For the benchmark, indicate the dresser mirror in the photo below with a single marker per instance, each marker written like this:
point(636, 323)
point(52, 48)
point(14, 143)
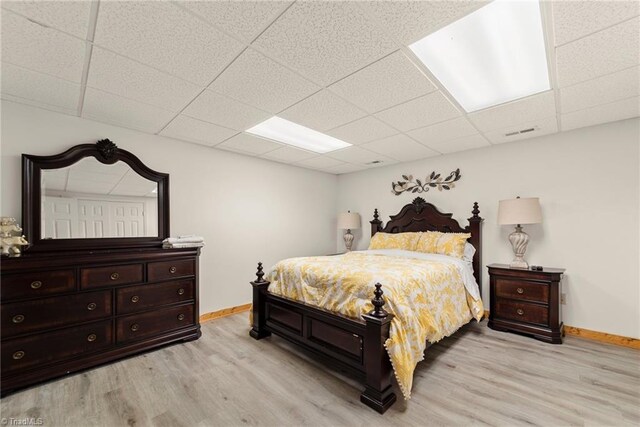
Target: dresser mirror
point(93, 196)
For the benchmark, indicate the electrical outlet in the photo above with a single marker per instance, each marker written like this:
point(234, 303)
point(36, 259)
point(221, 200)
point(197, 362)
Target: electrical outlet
point(563, 298)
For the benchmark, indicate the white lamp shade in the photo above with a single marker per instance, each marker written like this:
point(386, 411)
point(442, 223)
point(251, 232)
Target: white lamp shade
point(348, 221)
point(519, 211)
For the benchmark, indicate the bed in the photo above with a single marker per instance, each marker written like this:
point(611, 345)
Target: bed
point(333, 331)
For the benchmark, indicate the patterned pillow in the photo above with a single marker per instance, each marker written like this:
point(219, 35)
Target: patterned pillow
point(405, 241)
point(435, 242)
point(428, 242)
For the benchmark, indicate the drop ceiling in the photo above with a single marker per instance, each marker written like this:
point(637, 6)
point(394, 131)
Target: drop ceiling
point(205, 72)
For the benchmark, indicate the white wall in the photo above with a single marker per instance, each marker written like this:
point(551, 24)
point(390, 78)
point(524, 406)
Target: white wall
point(247, 209)
point(588, 185)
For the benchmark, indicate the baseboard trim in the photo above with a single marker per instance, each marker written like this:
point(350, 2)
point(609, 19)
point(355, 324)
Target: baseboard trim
point(224, 312)
point(597, 336)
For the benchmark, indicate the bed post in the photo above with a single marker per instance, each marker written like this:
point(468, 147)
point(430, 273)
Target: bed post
point(476, 240)
point(378, 393)
point(258, 327)
point(376, 224)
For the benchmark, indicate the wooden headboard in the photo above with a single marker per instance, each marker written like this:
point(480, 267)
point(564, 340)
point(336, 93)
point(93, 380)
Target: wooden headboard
point(422, 216)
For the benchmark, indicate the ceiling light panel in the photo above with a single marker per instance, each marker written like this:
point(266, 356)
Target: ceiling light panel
point(281, 130)
point(491, 56)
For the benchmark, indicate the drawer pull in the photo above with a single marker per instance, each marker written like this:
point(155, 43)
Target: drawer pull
point(114, 276)
point(36, 284)
point(172, 269)
point(180, 316)
point(520, 291)
point(135, 327)
point(91, 306)
point(520, 311)
point(181, 291)
point(92, 337)
point(18, 318)
point(18, 355)
point(135, 298)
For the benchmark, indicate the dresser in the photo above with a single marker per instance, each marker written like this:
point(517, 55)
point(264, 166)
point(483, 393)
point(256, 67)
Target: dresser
point(65, 312)
point(526, 301)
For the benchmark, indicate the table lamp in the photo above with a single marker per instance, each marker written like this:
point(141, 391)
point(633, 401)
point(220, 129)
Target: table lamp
point(517, 212)
point(348, 221)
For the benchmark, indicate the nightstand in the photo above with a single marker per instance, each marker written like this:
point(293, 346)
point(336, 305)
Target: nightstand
point(526, 301)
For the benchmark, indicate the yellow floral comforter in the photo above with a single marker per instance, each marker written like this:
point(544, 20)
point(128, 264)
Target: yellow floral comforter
point(427, 297)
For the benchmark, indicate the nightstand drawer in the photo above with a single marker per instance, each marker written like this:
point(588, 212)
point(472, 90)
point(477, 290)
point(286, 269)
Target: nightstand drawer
point(521, 311)
point(522, 290)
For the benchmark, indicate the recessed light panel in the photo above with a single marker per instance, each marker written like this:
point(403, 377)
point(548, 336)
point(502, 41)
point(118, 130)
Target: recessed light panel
point(491, 56)
point(290, 133)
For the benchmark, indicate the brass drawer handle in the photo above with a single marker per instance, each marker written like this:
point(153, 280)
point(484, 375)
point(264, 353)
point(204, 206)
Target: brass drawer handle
point(520, 291)
point(520, 311)
point(135, 298)
point(180, 316)
point(114, 276)
point(18, 318)
point(172, 270)
point(135, 327)
point(181, 291)
point(92, 337)
point(18, 355)
point(36, 284)
point(91, 306)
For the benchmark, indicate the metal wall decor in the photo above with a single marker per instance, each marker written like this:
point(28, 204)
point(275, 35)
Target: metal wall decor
point(435, 180)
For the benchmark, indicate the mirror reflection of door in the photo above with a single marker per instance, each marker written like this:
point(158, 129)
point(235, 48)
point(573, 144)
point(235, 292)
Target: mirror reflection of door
point(92, 200)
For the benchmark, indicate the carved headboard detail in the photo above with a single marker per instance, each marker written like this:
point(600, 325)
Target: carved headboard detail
point(420, 215)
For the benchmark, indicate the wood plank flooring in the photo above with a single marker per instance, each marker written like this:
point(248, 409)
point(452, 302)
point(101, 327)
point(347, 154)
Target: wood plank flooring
point(476, 377)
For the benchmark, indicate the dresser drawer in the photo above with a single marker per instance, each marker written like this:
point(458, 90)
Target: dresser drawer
point(169, 269)
point(522, 290)
point(136, 298)
point(35, 284)
point(31, 316)
point(521, 311)
point(96, 277)
point(41, 349)
point(145, 325)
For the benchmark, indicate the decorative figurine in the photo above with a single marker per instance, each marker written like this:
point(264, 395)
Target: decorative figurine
point(11, 237)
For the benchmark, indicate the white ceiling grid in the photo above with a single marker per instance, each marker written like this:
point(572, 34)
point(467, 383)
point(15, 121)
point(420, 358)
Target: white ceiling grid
point(205, 72)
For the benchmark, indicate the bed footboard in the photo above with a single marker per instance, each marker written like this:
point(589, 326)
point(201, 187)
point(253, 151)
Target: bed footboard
point(355, 346)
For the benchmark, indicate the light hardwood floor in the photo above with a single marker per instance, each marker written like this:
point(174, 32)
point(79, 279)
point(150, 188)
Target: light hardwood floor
point(478, 376)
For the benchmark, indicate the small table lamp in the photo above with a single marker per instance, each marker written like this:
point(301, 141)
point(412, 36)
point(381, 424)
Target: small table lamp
point(516, 212)
point(348, 221)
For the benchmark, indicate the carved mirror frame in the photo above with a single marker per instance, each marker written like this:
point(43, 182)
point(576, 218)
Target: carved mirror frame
point(106, 152)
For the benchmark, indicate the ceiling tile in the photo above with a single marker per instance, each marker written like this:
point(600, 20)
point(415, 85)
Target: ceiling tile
point(324, 40)
point(322, 111)
point(219, 109)
point(107, 108)
point(385, 83)
point(345, 168)
point(41, 49)
point(602, 90)
point(575, 19)
point(164, 36)
point(42, 88)
point(69, 16)
point(420, 112)
point(243, 19)
point(122, 76)
point(400, 147)
point(516, 112)
point(188, 129)
point(257, 80)
point(288, 155)
point(38, 104)
point(363, 130)
point(249, 144)
point(544, 126)
point(619, 110)
point(444, 131)
point(410, 20)
point(360, 156)
point(320, 162)
point(607, 51)
point(460, 144)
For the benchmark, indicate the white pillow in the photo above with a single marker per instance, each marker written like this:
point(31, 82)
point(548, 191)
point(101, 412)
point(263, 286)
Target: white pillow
point(469, 252)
